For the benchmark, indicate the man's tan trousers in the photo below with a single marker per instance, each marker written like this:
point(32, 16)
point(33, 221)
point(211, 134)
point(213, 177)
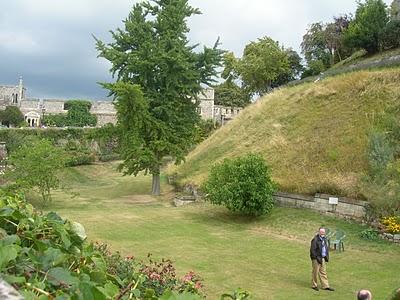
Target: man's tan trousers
point(319, 271)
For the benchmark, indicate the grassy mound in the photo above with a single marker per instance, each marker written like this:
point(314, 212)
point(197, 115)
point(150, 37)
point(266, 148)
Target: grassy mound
point(314, 136)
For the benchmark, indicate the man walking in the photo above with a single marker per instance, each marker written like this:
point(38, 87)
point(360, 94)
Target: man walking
point(319, 254)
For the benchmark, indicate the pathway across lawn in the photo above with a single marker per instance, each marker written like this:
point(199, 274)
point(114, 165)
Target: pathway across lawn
point(268, 256)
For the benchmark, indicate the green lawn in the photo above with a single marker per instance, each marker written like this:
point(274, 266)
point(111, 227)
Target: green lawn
point(268, 256)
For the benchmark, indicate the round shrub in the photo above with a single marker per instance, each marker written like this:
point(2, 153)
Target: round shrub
point(242, 185)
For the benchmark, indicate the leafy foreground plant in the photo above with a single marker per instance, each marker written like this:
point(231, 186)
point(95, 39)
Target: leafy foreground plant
point(46, 257)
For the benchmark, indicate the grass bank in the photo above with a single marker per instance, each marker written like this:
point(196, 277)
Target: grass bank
point(314, 136)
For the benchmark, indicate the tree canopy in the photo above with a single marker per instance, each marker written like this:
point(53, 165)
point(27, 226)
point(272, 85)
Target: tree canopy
point(229, 93)
point(366, 30)
point(78, 115)
point(263, 63)
point(159, 75)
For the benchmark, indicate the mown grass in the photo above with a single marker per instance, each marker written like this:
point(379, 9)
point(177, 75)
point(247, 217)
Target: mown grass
point(314, 136)
point(268, 256)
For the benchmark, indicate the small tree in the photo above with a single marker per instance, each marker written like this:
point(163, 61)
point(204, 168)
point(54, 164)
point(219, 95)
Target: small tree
point(35, 166)
point(230, 94)
point(159, 73)
point(242, 184)
point(11, 116)
point(262, 63)
point(79, 113)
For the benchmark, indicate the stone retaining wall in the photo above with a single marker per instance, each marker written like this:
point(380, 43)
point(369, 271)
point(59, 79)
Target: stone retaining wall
point(7, 292)
point(394, 238)
point(320, 202)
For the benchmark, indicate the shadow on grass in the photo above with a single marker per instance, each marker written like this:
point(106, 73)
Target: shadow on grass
point(219, 216)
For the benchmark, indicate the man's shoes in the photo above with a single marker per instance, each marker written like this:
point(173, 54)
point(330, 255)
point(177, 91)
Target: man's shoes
point(315, 288)
point(329, 289)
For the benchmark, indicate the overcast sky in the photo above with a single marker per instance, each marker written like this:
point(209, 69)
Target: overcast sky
point(49, 42)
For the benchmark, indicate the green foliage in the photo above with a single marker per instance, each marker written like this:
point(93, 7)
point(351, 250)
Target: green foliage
point(369, 234)
point(238, 294)
point(323, 45)
point(230, 94)
point(57, 120)
point(78, 115)
point(315, 67)
point(46, 257)
point(242, 185)
point(296, 69)
point(158, 73)
point(367, 29)
point(11, 116)
point(262, 63)
point(314, 46)
point(380, 153)
point(77, 154)
point(382, 183)
point(82, 146)
point(391, 35)
point(35, 166)
point(204, 129)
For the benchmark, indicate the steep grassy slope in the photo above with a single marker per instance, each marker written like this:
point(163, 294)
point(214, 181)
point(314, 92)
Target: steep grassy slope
point(314, 136)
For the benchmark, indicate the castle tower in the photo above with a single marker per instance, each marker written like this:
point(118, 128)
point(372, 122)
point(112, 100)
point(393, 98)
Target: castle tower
point(395, 10)
point(21, 95)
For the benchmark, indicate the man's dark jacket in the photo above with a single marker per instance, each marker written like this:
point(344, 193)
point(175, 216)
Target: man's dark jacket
point(316, 249)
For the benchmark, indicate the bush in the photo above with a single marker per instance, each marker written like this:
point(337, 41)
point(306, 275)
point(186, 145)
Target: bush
point(369, 234)
point(315, 67)
point(11, 116)
point(75, 158)
point(35, 165)
point(242, 185)
point(82, 145)
point(391, 36)
point(367, 29)
point(78, 115)
point(109, 157)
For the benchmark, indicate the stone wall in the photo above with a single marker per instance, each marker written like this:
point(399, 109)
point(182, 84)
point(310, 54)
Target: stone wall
point(7, 292)
point(205, 109)
point(104, 118)
point(30, 105)
point(320, 202)
point(7, 95)
point(54, 106)
point(223, 114)
point(102, 107)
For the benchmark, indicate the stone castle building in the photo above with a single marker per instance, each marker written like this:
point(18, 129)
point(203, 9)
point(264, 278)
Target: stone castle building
point(35, 109)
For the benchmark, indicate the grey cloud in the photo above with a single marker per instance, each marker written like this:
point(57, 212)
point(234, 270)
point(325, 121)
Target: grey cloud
point(50, 42)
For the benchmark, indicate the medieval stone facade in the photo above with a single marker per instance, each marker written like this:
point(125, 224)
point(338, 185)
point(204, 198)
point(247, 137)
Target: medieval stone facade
point(35, 109)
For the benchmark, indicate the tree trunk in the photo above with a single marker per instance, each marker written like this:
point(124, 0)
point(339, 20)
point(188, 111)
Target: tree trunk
point(155, 187)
